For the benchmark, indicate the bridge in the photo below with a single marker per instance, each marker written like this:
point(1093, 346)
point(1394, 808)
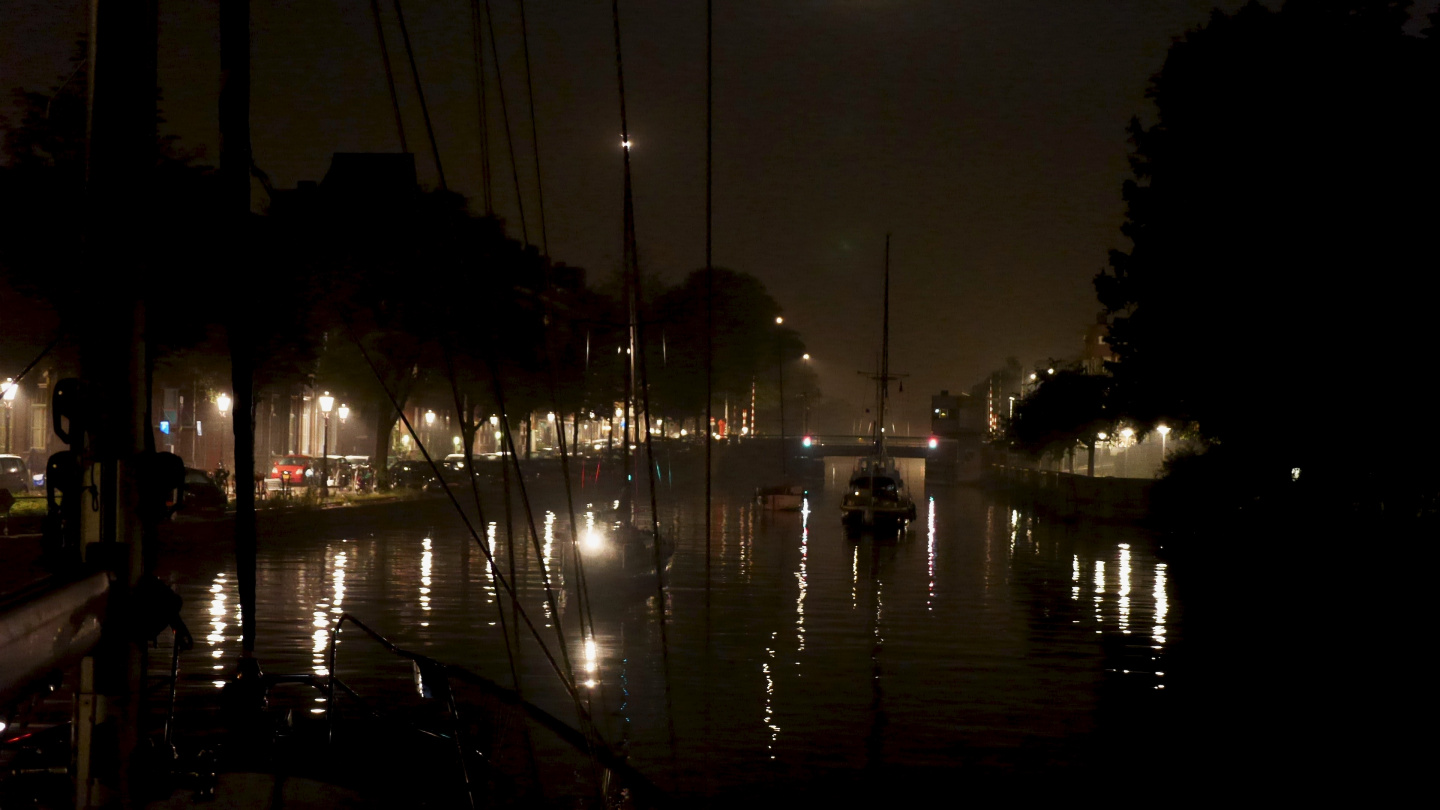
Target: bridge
point(814, 445)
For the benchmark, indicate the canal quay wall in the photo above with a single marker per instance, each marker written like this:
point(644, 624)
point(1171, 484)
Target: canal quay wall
point(1070, 496)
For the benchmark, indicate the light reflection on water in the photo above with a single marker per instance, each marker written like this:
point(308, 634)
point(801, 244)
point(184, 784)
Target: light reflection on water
point(971, 633)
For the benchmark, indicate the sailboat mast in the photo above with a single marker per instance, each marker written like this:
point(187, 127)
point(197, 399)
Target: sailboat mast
point(884, 356)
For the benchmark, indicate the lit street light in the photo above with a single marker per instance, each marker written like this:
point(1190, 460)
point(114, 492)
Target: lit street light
point(222, 404)
point(1164, 431)
point(344, 412)
point(11, 389)
point(327, 402)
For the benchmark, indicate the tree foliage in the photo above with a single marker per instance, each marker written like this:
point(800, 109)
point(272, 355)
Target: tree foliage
point(1068, 408)
point(748, 344)
point(1281, 216)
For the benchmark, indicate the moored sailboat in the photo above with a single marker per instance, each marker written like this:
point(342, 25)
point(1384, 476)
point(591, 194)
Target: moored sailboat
point(876, 496)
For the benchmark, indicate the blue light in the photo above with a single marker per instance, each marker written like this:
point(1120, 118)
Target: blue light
point(165, 426)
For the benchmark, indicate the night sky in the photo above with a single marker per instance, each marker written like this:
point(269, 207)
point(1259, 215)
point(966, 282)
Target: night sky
point(988, 137)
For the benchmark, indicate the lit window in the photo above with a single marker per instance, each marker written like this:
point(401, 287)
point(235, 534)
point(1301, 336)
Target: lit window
point(39, 426)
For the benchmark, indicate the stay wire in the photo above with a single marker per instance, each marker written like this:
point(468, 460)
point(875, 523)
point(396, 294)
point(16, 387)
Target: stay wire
point(587, 724)
point(709, 329)
point(495, 569)
point(582, 590)
point(632, 256)
point(477, 41)
point(33, 363)
point(530, 519)
point(467, 426)
point(420, 92)
point(654, 517)
point(709, 286)
point(499, 391)
point(534, 130)
point(389, 74)
point(505, 121)
point(465, 423)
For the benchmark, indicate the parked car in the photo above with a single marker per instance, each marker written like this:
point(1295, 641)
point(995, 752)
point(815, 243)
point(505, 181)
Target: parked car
point(412, 475)
point(13, 475)
point(203, 499)
point(339, 471)
point(301, 469)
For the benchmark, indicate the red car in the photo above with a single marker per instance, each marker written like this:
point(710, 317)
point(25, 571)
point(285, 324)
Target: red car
point(301, 468)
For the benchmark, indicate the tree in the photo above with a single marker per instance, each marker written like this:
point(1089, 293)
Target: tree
point(748, 343)
point(1281, 221)
point(1068, 408)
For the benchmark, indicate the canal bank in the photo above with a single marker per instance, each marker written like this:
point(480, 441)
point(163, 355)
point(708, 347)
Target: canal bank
point(1070, 496)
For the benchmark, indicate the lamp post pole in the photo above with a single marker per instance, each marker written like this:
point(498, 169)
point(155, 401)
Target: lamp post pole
point(327, 402)
point(780, 366)
point(344, 412)
point(222, 404)
point(10, 388)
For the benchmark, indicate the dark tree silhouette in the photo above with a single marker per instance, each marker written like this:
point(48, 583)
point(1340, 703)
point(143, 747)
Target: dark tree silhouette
point(748, 344)
point(1067, 409)
point(1282, 226)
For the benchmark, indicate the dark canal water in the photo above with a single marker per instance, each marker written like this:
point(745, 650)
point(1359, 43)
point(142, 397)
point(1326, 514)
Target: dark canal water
point(988, 644)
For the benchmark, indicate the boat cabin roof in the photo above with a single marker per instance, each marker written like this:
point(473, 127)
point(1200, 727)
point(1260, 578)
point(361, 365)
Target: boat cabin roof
point(882, 483)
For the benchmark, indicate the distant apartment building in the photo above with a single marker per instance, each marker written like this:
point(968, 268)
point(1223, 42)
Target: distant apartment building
point(1096, 352)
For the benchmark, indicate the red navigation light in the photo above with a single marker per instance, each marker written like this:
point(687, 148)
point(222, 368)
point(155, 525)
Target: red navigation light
point(934, 442)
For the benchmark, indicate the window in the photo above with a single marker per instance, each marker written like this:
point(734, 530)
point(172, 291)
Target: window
point(39, 426)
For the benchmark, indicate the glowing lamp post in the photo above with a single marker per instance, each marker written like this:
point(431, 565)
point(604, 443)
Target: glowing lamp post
point(327, 403)
point(1163, 430)
point(780, 374)
point(344, 413)
point(11, 389)
point(222, 404)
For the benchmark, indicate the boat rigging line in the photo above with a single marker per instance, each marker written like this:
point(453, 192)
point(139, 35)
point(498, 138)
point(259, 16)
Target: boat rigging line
point(530, 520)
point(632, 269)
point(505, 121)
point(499, 393)
point(420, 92)
point(467, 428)
point(489, 557)
point(31, 365)
point(389, 74)
point(534, 130)
point(477, 44)
point(709, 339)
point(709, 281)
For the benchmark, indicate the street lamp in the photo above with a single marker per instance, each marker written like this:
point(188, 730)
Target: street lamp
point(344, 412)
point(222, 404)
point(10, 389)
point(1163, 430)
point(327, 402)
